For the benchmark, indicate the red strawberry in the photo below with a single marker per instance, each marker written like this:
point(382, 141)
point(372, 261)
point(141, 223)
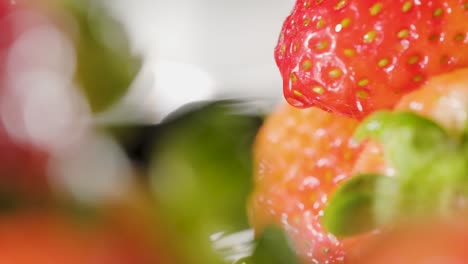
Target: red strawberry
point(418, 243)
point(301, 156)
point(443, 98)
point(354, 57)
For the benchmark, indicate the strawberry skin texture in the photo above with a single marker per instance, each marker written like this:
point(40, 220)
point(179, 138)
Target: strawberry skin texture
point(355, 57)
point(443, 99)
point(300, 157)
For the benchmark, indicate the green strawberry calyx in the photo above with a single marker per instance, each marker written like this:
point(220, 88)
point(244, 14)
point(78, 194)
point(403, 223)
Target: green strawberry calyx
point(431, 176)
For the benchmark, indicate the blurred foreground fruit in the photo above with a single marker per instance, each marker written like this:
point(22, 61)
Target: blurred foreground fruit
point(201, 177)
point(418, 243)
point(43, 237)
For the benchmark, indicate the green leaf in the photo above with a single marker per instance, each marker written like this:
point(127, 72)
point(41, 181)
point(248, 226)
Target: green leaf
point(201, 176)
point(373, 126)
point(273, 247)
point(380, 124)
point(431, 178)
point(366, 202)
point(355, 207)
point(105, 64)
point(411, 142)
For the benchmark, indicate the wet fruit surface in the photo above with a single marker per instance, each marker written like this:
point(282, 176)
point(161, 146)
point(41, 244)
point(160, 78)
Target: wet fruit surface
point(355, 57)
point(300, 158)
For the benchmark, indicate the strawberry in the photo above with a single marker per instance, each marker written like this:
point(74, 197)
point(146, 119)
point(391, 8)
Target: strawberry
point(300, 157)
point(444, 99)
point(418, 243)
point(355, 57)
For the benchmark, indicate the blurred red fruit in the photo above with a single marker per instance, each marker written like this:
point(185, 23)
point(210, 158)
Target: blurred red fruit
point(418, 243)
point(49, 238)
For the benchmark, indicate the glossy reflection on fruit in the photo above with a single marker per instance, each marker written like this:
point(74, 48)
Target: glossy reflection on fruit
point(355, 57)
point(300, 157)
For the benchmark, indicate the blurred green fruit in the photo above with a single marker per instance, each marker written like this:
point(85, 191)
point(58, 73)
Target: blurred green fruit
point(201, 176)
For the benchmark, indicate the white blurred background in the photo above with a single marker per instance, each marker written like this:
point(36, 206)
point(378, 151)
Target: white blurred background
point(192, 50)
point(200, 50)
